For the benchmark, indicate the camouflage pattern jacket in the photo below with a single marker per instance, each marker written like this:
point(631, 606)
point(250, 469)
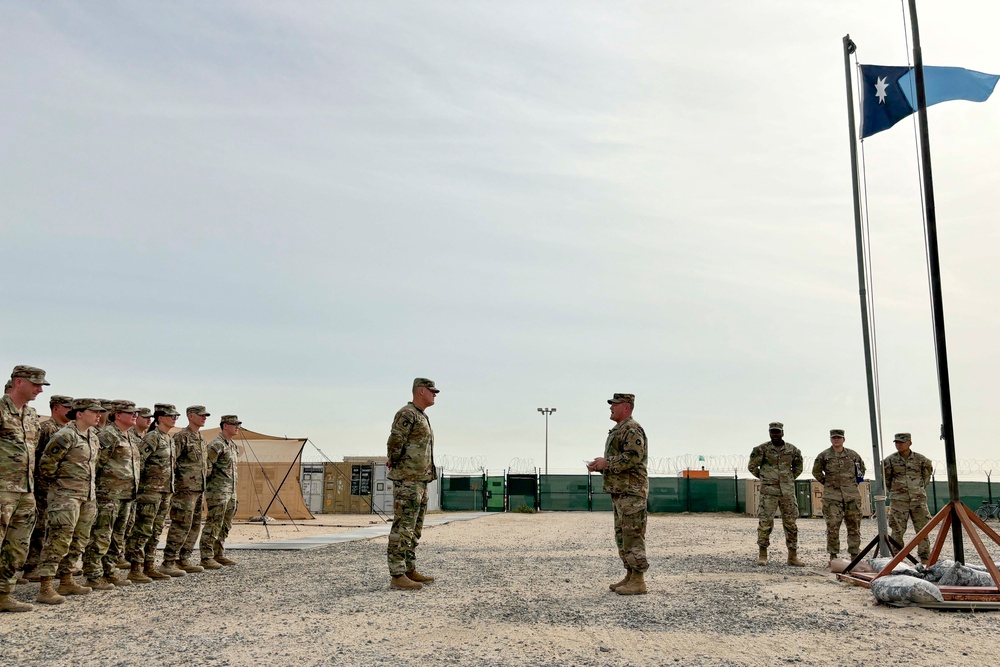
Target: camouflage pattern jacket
point(119, 464)
point(157, 453)
point(45, 432)
point(18, 435)
point(906, 479)
point(776, 467)
point(627, 453)
point(411, 446)
point(838, 473)
point(222, 459)
point(191, 463)
point(68, 463)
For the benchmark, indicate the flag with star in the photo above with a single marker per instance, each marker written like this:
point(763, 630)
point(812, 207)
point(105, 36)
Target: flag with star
point(888, 93)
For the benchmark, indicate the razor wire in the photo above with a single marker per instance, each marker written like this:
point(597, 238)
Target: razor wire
point(463, 464)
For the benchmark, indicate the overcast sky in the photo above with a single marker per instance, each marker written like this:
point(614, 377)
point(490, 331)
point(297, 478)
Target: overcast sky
point(288, 210)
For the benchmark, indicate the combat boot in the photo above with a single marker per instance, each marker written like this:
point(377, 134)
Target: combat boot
point(32, 575)
point(7, 603)
point(153, 573)
point(617, 585)
point(635, 586)
point(47, 593)
point(115, 580)
point(170, 568)
point(135, 574)
point(100, 584)
point(222, 560)
point(67, 586)
point(210, 564)
point(403, 582)
point(189, 567)
point(413, 575)
point(123, 564)
point(762, 556)
point(21, 581)
point(793, 558)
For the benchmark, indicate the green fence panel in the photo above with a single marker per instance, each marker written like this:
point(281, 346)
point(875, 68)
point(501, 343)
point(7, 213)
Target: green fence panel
point(462, 494)
point(803, 496)
point(667, 494)
point(563, 493)
point(973, 494)
point(495, 492)
point(714, 494)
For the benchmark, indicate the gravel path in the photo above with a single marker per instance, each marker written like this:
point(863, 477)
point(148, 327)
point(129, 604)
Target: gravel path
point(512, 589)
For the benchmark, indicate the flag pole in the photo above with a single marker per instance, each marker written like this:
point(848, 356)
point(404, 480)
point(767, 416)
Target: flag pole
point(883, 530)
point(944, 384)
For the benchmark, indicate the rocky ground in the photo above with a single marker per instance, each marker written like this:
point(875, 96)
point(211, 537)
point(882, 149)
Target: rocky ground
point(512, 589)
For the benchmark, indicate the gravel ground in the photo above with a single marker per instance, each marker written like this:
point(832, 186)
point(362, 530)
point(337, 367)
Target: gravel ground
point(512, 589)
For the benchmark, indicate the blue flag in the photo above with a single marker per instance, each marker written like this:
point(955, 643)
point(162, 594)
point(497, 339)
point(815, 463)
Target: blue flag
point(888, 93)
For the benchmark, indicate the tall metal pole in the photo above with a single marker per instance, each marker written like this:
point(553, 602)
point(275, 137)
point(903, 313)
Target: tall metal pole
point(883, 528)
point(546, 412)
point(944, 384)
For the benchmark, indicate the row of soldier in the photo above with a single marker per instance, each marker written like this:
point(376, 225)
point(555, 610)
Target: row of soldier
point(98, 480)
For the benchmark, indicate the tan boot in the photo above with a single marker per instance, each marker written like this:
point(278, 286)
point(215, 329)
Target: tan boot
point(222, 560)
point(100, 584)
point(7, 603)
point(793, 558)
point(210, 564)
point(762, 556)
point(135, 574)
point(635, 586)
point(115, 580)
point(123, 564)
point(413, 575)
point(169, 568)
point(47, 593)
point(403, 582)
point(153, 573)
point(189, 567)
point(616, 586)
point(68, 586)
point(32, 575)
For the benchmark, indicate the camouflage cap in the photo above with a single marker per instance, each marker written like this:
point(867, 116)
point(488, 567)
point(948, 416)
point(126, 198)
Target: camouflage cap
point(167, 409)
point(29, 373)
point(836, 433)
point(902, 437)
point(232, 420)
point(89, 404)
point(59, 399)
point(127, 407)
point(198, 410)
point(109, 405)
point(776, 426)
point(6, 387)
point(424, 382)
point(145, 413)
point(622, 398)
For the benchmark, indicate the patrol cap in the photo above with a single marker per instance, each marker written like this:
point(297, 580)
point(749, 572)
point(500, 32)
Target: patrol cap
point(424, 382)
point(776, 426)
point(108, 404)
point(145, 413)
point(59, 399)
point(29, 373)
point(198, 410)
point(836, 433)
point(167, 409)
point(622, 398)
point(89, 404)
point(902, 437)
point(232, 420)
point(127, 407)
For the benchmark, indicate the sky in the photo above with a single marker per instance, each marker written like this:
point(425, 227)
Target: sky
point(287, 211)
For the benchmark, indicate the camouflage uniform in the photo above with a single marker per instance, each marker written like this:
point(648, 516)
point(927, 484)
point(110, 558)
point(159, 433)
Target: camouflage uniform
point(777, 467)
point(906, 479)
point(67, 467)
point(411, 460)
point(220, 493)
point(839, 473)
point(116, 550)
point(186, 507)
point(18, 434)
point(156, 485)
point(45, 433)
point(118, 469)
point(625, 478)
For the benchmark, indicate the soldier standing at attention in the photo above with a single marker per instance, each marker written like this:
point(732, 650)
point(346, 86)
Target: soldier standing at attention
point(67, 467)
point(117, 549)
point(59, 407)
point(156, 486)
point(411, 466)
point(116, 483)
point(623, 465)
point(220, 493)
point(189, 491)
point(776, 464)
point(109, 407)
point(18, 435)
point(907, 475)
point(838, 469)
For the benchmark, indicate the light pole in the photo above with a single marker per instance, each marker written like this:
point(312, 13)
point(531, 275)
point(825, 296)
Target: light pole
point(546, 412)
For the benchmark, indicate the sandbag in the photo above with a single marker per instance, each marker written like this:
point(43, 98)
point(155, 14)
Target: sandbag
point(902, 590)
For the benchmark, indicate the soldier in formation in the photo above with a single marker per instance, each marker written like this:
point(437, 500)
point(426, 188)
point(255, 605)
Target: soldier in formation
point(777, 464)
point(59, 408)
point(220, 492)
point(189, 490)
point(626, 453)
point(840, 470)
point(411, 466)
point(907, 475)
